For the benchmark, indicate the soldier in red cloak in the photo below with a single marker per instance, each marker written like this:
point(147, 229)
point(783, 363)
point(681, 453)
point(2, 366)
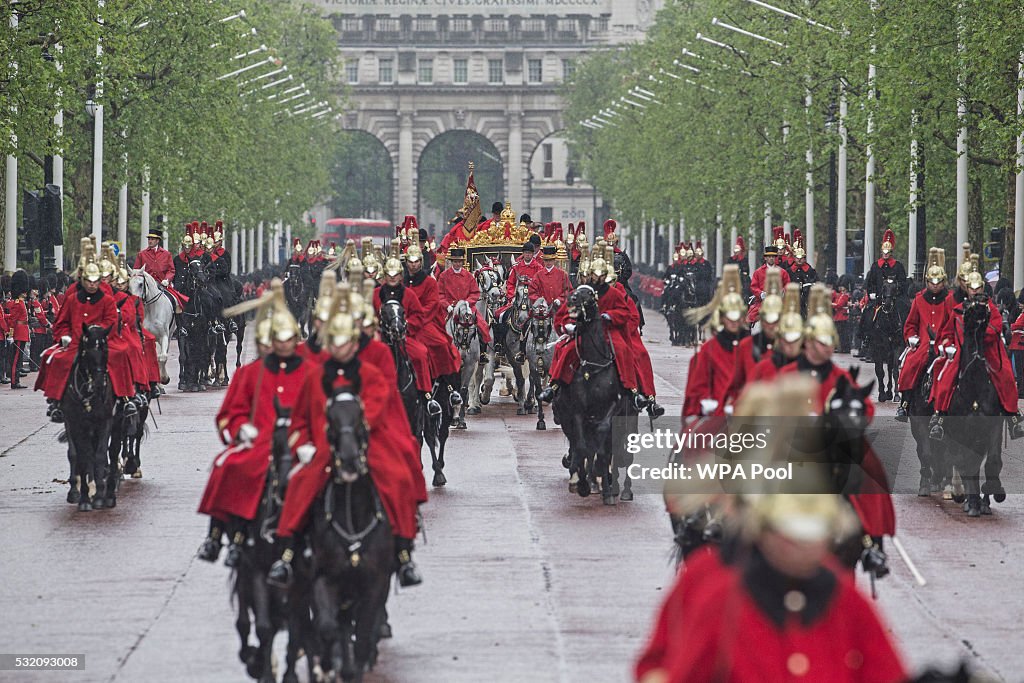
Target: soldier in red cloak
point(388, 449)
point(455, 284)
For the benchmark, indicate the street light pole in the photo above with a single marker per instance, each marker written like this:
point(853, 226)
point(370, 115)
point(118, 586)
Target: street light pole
point(11, 196)
point(97, 140)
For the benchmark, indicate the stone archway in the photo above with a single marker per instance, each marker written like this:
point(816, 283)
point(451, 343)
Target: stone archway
point(441, 176)
point(362, 178)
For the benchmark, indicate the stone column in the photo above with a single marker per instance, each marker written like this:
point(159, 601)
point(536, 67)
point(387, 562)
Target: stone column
point(406, 203)
point(251, 239)
point(514, 193)
point(234, 252)
point(260, 246)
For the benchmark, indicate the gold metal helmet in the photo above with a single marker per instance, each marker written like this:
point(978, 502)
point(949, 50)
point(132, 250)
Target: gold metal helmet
point(975, 282)
point(282, 323)
point(342, 327)
point(122, 276)
point(599, 267)
point(186, 241)
point(392, 267)
point(263, 332)
point(583, 268)
point(413, 254)
point(966, 265)
point(91, 272)
point(88, 253)
point(369, 314)
point(771, 305)
point(804, 517)
point(107, 259)
point(699, 251)
point(731, 304)
point(208, 242)
point(791, 323)
point(820, 325)
point(936, 272)
point(688, 254)
point(609, 259)
point(354, 269)
point(325, 298)
point(371, 266)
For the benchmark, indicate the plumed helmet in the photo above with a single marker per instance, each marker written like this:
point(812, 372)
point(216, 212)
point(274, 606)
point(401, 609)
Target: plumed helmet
point(698, 251)
point(392, 267)
point(888, 241)
point(791, 322)
point(804, 518)
point(413, 254)
point(186, 241)
point(371, 266)
point(731, 305)
point(283, 325)
point(975, 282)
point(740, 245)
point(820, 325)
point(609, 231)
point(771, 305)
point(936, 272)
point(325, 297)
point(355, 269)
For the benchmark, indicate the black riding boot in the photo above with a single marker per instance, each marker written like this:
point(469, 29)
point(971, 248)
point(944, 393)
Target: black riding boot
point(234, 556)
point(935, 425)
point(407, 574)
point(280, 574)
point(454, 397)
point(433, 407)
point(53, 411)
point(654, 409)
point(901, 412)
point(548, 394)
point(1016, 425)
point(209, 551)
point(639, 400)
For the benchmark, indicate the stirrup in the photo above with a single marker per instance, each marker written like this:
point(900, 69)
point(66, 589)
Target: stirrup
point(1016, 426)
point(901, 412)
point(455, 399)
point(433, 408)
point(130, 409)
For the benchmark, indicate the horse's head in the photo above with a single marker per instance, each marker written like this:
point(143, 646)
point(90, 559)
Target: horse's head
point(889, 290)
point(583, 304)
point(463, 324)
point(849, 401)
point(197, 272)
point(392, 321)
point(141, 282)
point(540, 310)
point(976, 319)
point(495, 299)
point(540, 319)
point(347, 435)
point(92, 349)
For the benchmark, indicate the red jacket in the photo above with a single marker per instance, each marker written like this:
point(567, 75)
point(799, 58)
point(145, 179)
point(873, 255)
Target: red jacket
point(745, 362)
point(717, 611)
point(927, 313)
point(453, 287)
point(757, 284)
point(389, 450)
point(239, 472)
point(551, 284)
point(18, 320)
point(521, 269)
point(158, 262)
point(1017, 334)
point(711, 372)
point(840, 306)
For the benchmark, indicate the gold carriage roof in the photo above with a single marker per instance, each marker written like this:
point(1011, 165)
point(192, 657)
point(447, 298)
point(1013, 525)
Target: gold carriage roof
point(504, 237)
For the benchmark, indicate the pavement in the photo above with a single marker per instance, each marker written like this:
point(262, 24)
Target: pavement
point(523, 580)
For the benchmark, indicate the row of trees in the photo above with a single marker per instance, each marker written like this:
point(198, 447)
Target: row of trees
point(211, 146)
point(721, 129)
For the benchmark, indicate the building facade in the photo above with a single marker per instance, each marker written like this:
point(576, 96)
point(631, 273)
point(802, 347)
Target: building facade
point(418, 69)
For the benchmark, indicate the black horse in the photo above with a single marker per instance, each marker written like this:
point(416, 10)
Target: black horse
point(886, 339)
point(198, 329)
point(88, 405)
point(124, 451)
point(298, 293)
point(975, 439)
point(586, 407)
point(679, 296)
point(272, 608)
point(393, 330)
point(931, 453)
point(354, 552)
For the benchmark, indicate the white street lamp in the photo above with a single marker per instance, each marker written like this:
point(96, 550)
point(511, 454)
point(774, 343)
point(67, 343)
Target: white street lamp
point(715, 21)
point(256, 65)
point(785, 13)
point(239, 15)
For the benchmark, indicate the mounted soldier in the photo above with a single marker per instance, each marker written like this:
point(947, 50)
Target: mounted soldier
point(929, 312)
point(789, 338)
point(455, 284)
point(759, 344)
point(759, 279)
point(885, 268)
point(800, 271)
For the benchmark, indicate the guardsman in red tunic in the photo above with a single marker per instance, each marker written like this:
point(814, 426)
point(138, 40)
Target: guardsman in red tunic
point(18, 322)
point(157, 261)
point(297, 257)
point(873, 502)
point(927, 318)
point(611, 303)
point(245, 423)
point(712, 367)
point(445, 361)
point(389, 445)
point(951, 340)
point(752, 349)
point(455, 284)
point(776, 607)
point(789, 338)
point(87, 304)
point(757, 281)
point(550, 283)
point(129, 333)
point(392, 289)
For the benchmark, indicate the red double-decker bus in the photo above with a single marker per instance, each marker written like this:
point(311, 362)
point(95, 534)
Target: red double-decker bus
point(338, 230)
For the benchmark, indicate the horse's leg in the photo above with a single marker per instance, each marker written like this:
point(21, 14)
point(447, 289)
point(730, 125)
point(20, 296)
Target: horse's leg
point(972, 480)
point(239, 339)
point(243, 591)
point(537, 382)
point(266, 629)
point(577, 447)
point(325, 614)
point(880, 377)
point(368, 616)
point(74, 475)
point(487, 385)
point(994, 465)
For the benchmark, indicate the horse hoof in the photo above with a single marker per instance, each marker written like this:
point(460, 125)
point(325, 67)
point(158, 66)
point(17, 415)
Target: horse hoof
point(384, 631)
point(439, 479)
point(473, 411)
point(999, 497)
point(583, 488)
point(520, 411)
point(73, 496)
point(541, 426)
point(958, 498)
point(626, 495)
point(137, 474)
point(97, 503)
point(986, 509)
point(84, 506)
point(566, 462)
point(608, 500)
point(973, 512)
point(110, 502)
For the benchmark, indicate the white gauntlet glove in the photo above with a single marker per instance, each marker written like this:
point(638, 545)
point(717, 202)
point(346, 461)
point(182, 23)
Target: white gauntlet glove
point(247, 433)
point(914, 341)
point(708, 406)
point(65, 341)
point(163, 282)
point(950, 352)
point(556, 303)
point(763, 295)
point(605, 316)
point(451, 308)
point(570, 328)
point(872, 296)
point(305, 453)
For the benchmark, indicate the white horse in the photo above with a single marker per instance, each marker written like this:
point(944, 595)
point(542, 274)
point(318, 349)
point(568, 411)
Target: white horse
point(461, 326)
point(159, 314)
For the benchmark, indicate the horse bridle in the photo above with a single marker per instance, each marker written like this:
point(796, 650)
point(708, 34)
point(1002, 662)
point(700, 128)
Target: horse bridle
point(352, 537)
point(463, 332)
point(92, 387)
